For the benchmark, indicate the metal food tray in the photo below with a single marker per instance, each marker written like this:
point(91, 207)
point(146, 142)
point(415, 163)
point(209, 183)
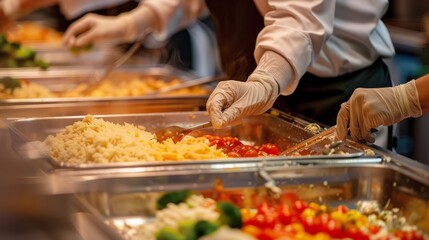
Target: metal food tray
point(27, 134)
point(319, 145)
point(62, 56)
point(120, 211)
point(67, 78)
point(57, 55)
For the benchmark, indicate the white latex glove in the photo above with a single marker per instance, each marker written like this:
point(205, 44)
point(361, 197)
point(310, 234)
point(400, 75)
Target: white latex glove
point(233, 100)
point(370, 108)
point(95, 28)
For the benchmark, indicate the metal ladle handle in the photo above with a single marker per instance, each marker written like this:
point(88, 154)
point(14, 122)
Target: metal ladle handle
point(200, 126)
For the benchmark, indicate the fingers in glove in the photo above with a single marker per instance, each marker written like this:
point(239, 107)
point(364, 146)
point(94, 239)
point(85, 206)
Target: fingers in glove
point(77, 28)
point(343, 120)
point(231, 116)
point(214, 108)
point(355, 127)
point(87, 38)
point(220, 99)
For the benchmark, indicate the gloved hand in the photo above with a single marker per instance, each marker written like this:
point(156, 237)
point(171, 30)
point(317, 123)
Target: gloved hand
point(92, 28)
point(370, 108)
point(233, 100)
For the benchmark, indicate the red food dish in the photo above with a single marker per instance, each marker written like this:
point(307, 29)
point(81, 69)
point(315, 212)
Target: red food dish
point(233, 147)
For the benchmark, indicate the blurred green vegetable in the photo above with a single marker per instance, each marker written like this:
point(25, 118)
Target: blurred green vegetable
point(172, 197)
point(77, 50)
point(187, 229)
point(42, 64)
point(169, 234)
point(24, 54)
point(11, 63)
point(3, 39)
point(13, 55)
point(10, 83)
point(230, 214)
point(203, 228)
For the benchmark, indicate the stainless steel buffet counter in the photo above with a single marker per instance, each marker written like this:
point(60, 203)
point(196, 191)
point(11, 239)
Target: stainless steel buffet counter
point(285, 131)
point(109, 197)
point(65, 79)
point(289, 134)
point(123, 213)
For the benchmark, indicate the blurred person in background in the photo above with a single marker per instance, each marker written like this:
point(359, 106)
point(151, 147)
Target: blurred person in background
point(193, 48)
point(371, 108)
point(315, 53)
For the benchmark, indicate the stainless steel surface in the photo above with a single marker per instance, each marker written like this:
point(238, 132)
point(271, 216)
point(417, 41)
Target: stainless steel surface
point(29, 132)
point(387, 184)
point(61, 56)
point(177, 133)
point(67, 78)
point(325, 145)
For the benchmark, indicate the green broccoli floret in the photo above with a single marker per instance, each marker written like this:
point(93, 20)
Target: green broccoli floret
point(230, 214)
point(77, 50)
point(169, 234)
point(10, 83)
point(173, 197)
point(24, 54)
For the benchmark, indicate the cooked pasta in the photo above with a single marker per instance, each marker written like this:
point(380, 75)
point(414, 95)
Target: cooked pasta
point(94, 140)
point(27, 90)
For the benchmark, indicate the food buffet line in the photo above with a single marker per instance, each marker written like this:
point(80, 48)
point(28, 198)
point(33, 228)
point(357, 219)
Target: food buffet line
point(274, 175)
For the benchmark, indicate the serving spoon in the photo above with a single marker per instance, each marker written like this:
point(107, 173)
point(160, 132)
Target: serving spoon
point(103, 73)
point(176, 133)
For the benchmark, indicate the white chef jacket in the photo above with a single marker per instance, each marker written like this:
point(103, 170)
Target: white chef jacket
point(327, 38)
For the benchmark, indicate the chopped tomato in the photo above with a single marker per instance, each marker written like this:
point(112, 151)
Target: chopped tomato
point(233, 154)
point(270, 149)
point(341, 209)
point(251, 153)
point(234, 148)
point(300, 206)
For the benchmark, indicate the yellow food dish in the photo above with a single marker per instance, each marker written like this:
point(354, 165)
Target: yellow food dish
point(28, 32)
point(26, 90)
point(94, 140)
point(128, 85)
point(117, 85)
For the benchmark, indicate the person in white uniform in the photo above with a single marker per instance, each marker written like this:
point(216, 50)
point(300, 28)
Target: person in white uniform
point(197, 38)
point(314, 53)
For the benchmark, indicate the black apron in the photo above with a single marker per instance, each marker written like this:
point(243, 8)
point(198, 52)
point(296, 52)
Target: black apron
point(237, 24)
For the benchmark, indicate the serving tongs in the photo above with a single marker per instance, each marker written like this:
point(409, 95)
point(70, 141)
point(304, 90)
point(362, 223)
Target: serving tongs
point(328, 152)
point(176, 133)
point(187, 84)
point(270, 184)
point(103, 73)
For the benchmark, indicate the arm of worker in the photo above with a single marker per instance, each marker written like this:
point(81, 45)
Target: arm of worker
point(370, 108)
point(294, 34)
point(160, 18)
point(422, 85)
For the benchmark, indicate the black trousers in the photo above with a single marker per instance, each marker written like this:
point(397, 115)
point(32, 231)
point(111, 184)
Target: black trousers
point(320, 99)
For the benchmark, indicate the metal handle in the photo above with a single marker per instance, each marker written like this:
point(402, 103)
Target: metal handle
point(190, 83)
point(200, 126)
